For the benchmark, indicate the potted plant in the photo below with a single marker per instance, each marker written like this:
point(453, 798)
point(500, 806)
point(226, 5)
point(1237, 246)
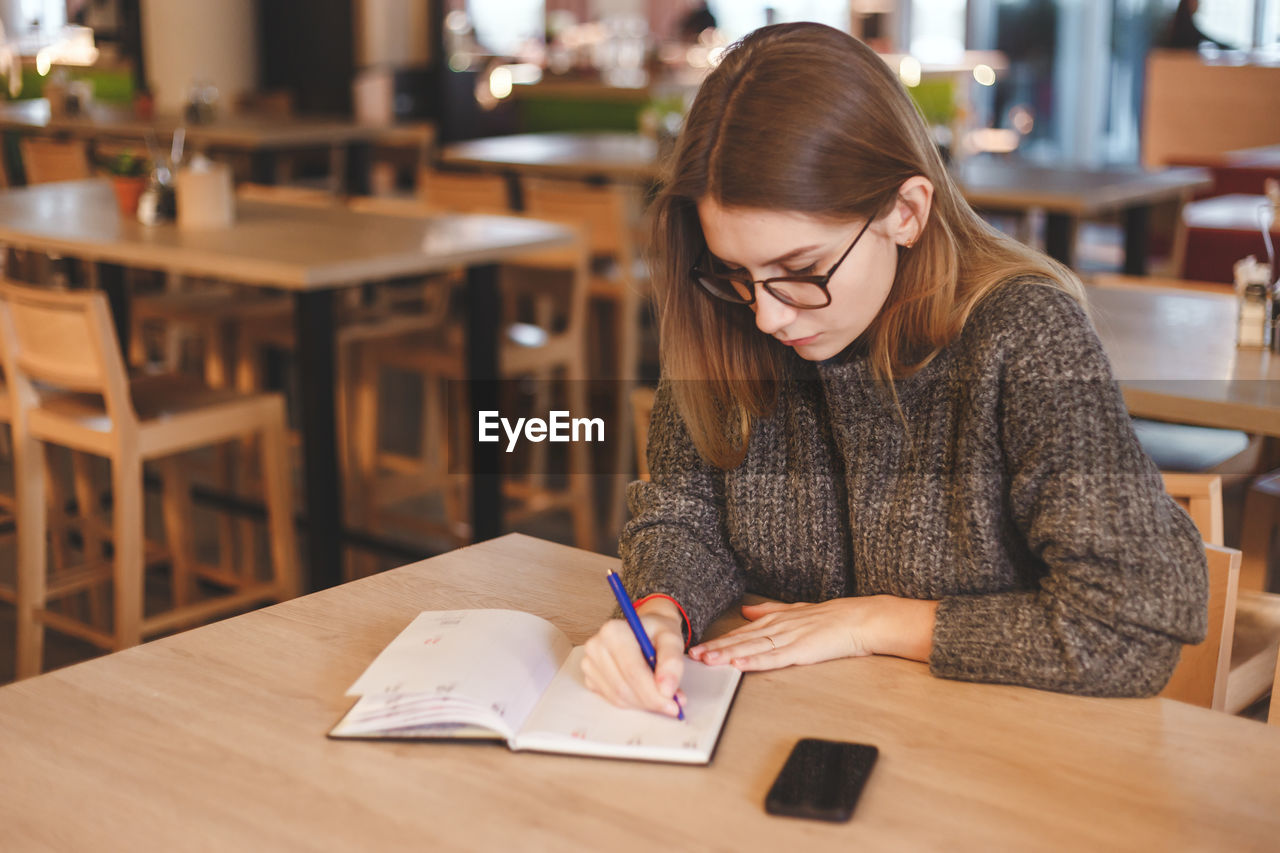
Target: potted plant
point(129, 173)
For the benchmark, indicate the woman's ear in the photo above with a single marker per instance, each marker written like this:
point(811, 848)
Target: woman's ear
point(911, 211)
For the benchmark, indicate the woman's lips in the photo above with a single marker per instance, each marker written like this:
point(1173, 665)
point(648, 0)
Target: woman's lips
point(796, 342)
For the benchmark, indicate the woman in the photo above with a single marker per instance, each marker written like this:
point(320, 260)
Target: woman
point(880, 411)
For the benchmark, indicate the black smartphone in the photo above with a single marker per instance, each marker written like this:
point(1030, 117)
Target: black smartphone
point(821, 780)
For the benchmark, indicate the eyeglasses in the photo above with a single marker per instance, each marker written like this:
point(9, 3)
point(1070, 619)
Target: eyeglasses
point(798, 291)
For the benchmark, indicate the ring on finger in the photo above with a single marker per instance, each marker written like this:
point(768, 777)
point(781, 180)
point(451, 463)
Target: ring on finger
point(772, 644)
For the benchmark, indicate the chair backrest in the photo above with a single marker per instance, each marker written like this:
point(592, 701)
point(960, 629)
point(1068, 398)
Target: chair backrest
point(1273, 716)
point(1201, 496)
point(642, 410)
point(463, 192)
point(64, 341)
point(48, 160)
point(284, 194)
point(1201, 675)
point(390, 205)
point(605, 212)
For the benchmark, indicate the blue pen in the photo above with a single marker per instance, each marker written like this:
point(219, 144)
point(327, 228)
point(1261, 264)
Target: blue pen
point(633, 619)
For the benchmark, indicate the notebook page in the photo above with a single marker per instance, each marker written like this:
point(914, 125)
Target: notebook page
point(572, 719)
point(498, 661)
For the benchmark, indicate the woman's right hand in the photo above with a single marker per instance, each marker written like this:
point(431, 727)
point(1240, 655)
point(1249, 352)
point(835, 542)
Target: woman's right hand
point(614, 666)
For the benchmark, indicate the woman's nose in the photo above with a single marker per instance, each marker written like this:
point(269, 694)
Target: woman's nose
point(772, 316)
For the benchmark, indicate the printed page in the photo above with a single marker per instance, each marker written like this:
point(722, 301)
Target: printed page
point(483, 667)
point(572, 719)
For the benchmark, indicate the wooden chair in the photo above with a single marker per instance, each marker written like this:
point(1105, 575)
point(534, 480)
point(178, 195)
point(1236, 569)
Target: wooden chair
point(607, 214)
point(47, 160)
point(288, 194)
point(1260, 538)
point(528, 349)
point(1254, 641)
point(1201, 496)
point(1201, 675)
point(463, 192)
point(69, 388)
point(1273, 716)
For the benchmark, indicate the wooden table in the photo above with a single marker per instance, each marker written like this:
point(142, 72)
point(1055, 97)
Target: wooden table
point(262, 136)
point(215, 738)
point(1175, 355)
point(619, 157)
point(1068, 194)
point(311, 252)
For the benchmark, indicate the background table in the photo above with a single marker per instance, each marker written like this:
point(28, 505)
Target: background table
point(1175, 354)
point(1068, 194)
point(264, 137)
point(628, 157)
point(311, 252)
point(216, 738)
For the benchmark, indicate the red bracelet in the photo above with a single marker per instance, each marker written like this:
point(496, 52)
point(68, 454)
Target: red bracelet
point(688, 629)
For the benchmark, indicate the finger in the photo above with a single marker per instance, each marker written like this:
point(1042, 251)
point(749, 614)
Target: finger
point(615, 686)
point(772, 659)
point(743, 632)
point(741, 646)
point(670, 668)
point(755, 611)
point(627, 663)
point(600, 684)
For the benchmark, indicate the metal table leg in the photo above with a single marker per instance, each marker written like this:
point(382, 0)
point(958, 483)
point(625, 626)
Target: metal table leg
point(1137, 226)
point(111, 282)
point(1059, 237)
point(323, 490)
point(359, 162)
point(481, 301)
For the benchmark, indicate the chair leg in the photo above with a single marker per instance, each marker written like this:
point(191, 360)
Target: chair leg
point(362, 484)
point(57, 520)
point(126, 477)
point(274, 444)
point(364, 434)
point(32, 514)
point(87, 500)
point(457, 487)
point(176, 508)
point(580, 479)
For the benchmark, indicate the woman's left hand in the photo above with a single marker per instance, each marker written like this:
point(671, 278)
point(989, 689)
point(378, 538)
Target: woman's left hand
point(786, 634)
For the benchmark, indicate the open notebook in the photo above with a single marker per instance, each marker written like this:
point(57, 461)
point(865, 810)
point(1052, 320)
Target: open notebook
point(509, 675)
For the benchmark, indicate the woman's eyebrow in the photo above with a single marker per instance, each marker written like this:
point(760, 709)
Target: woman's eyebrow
point(794, 253)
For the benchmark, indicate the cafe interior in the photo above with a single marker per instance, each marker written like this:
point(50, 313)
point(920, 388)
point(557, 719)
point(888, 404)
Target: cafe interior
point(264, 261)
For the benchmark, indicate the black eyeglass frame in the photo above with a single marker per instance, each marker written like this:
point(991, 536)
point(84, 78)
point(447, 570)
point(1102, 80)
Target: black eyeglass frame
point(742, 277)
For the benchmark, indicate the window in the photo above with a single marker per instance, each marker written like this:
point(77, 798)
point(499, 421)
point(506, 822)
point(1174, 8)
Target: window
point(1227, 21)
point(736, 18)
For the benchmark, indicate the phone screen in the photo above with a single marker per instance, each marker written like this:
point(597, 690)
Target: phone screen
point(821, 780)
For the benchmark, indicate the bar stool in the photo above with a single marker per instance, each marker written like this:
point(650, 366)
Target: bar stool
point(528, 349)
point(617, 292)
point(69, 388)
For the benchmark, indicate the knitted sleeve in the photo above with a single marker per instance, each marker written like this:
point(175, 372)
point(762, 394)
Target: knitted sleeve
point(1123, 579)
point(676, 542)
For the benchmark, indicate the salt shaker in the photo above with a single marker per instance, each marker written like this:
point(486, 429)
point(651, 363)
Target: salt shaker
point(1253, 324)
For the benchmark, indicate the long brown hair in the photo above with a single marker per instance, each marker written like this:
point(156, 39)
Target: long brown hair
point(804, 118)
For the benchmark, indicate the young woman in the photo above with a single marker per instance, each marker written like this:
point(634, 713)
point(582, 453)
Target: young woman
point(881, 412)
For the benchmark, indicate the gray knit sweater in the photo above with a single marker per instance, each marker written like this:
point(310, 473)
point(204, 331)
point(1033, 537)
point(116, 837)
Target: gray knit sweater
point(1017, 494)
